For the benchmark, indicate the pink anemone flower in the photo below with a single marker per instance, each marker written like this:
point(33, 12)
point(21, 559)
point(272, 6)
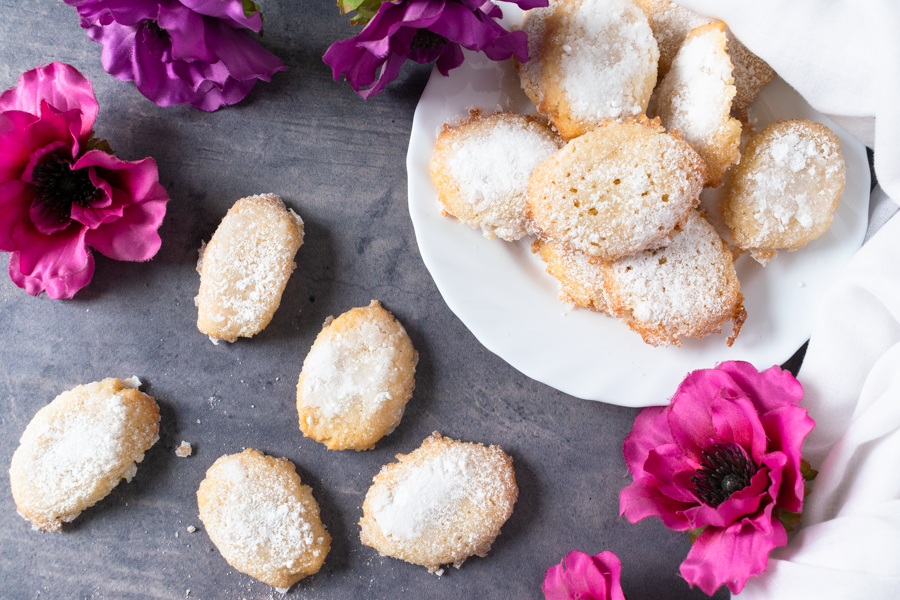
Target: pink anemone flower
point(722, 460)
point(62, 192)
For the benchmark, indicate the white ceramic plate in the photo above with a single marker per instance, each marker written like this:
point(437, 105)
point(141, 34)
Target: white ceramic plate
point(501, 292)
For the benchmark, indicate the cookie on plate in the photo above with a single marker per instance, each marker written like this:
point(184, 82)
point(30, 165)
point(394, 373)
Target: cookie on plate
point(786, 189)
point(440, 504)
point(580, 277)
point(245, 267)
point(591, 60)
point(77, 448)
point(481, 168)
point(688, 289)
point(356, 379)
point(695, 97)
point(262, 519)
point(618, 189)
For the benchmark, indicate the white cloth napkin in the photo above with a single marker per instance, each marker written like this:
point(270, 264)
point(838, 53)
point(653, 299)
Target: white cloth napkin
point(843, 56)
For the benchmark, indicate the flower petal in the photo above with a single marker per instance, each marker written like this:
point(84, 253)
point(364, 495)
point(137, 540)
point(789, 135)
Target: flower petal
point(586, 577)
point(642, 499)
point(243, 57)
point(769, 389)
point(665, 463)
point(651, 429)
point(14, 156)
point(718, 558)
point(229, 11)
point(59, 264)
point(61, 86)
point(787, 427)
point(15, 202)
point(134, 236)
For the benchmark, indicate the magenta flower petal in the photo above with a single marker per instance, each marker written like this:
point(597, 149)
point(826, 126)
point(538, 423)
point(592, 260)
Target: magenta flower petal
point(60, 264)
point(718, 558)
point(61, 86)
point(585, 577)
point(724, 455)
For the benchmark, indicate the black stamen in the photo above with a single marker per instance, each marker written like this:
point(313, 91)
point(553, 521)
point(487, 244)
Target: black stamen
point(426, 39)
point(725, 469)
point(58, 187)
point(156, 30)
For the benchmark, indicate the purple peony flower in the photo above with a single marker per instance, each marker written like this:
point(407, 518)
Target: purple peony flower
point(424, 31)
point(62, 193)
point(195, 52)
point(583, 577)
point(724, 457)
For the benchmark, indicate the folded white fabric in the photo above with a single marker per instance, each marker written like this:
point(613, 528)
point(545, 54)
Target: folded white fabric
point(843, 56)
point(849, 542)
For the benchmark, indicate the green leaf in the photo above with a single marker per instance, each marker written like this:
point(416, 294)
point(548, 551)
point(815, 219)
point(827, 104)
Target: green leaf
point(695, 533)
point(95, 143)
point(787, 518)
point(807, 471)
point(365, 9)
point(250, 8)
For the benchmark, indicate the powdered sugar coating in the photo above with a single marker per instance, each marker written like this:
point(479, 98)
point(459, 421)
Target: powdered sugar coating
point(785, 191)
point(356, 379)
point(695, 99)
point(688, 289)
point(77, 448)
point(592, 60)
point(481, 169)
point(618, 189)
point(580, 277)
point(440, 504)
point(245, 267)
point(262, 519)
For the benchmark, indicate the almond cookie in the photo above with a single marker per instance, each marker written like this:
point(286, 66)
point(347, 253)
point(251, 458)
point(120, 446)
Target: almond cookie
point(784, 192)
point(591, 60)
point(245, 267)
point(580, 276)
point(356, 379)
point(688, 289)
point(695, 99)
point(671, 24)
point(618, 189)
point(481, 168)
point(77, 448)
point(440, 504)
point(262, 519)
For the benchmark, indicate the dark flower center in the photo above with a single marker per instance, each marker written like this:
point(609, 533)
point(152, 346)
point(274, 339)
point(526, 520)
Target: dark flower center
point(426, 39)
point(58, 187)
point(725, 469)
point(156, 30)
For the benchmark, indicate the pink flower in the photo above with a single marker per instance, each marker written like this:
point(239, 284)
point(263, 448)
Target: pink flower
point(60, 195)
point(424, 31)
point(724, 457)
point(583, 577)
point(196, 52)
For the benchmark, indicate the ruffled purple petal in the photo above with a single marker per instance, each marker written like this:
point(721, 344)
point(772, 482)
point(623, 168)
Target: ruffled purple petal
point(186, 30)
point(718, 558)
point(59, 85)
point(243, 58)
point(230, 12)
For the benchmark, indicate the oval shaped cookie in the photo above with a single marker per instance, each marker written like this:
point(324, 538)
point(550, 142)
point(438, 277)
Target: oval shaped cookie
point(618, 189)
point(591, 60)
point(262, 519)
point(688, 289)
point(356, 379)
point(786, 188)
point(77, 448)
point(245, 267)
point(440, 504)
point(481, 168)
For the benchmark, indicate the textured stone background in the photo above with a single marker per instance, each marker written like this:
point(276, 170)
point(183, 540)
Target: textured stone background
point(340, 162)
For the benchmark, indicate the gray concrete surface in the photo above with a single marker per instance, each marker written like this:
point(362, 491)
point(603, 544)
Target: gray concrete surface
point(340, 162)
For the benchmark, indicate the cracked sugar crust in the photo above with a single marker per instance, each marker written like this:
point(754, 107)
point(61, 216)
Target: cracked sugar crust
point(786, 188)
point(592, 60)
point(245, 267)
point(356, 379)
point(440, 504)
point(78, 448)
point(580, 277)
point(695, 97)
point(262, 519)
point(688, 289)
point(671, 24)
point(618, 189)
point(481, 168)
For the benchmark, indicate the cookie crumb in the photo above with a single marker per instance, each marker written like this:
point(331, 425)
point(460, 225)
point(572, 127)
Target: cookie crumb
point(184, 450)
point(191, 529)
point(133, 382)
